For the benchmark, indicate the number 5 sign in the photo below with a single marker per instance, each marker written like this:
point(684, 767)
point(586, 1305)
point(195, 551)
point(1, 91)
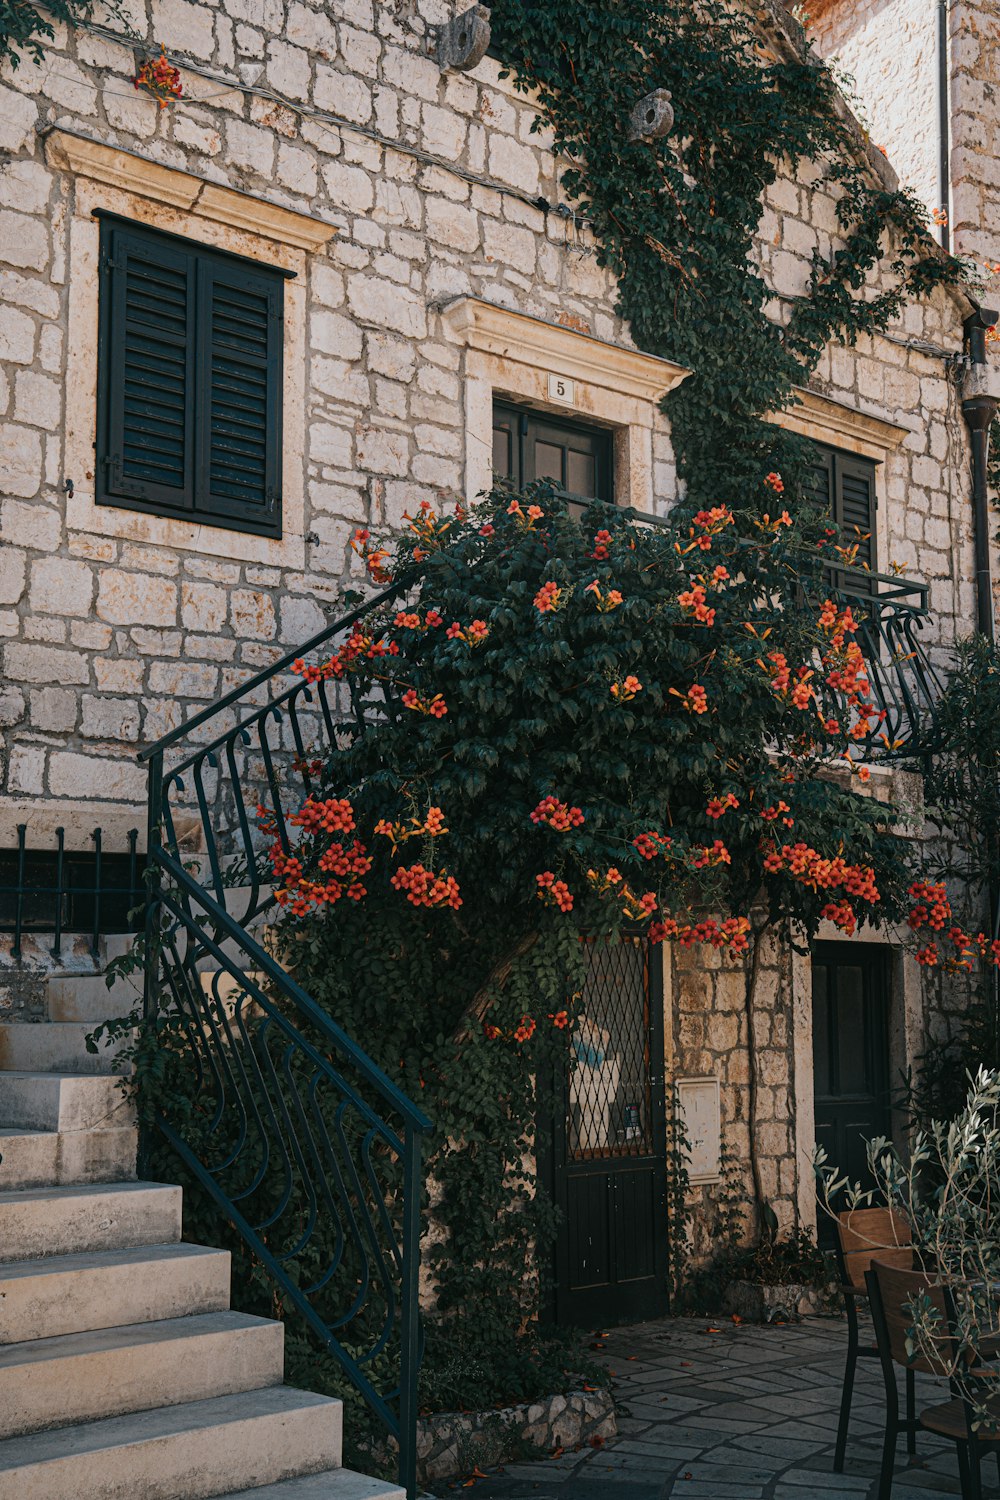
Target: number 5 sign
point(562, 390)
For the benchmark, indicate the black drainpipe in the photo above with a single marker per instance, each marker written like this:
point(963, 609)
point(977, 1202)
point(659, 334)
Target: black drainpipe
point(944, 123)
point(979, 408)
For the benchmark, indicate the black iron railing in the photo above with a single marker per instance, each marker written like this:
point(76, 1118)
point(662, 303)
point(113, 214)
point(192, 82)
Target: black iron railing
point(305, 1145)
point(47, 888)
point(891, 615)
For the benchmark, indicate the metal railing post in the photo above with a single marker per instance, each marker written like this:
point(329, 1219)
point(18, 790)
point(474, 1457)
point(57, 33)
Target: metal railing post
point(410, 1311)
point(151, 954)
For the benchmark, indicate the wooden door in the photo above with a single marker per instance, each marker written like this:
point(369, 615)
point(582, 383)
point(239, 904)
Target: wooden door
point(609, 1146)
point(851, 992)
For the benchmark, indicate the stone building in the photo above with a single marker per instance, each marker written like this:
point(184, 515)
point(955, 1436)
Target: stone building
point(348, 278)
point(923, 75)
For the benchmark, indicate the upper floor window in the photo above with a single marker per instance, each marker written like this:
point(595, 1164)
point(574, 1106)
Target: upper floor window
point(844, 486)
point(189, 380)
point(531, 445)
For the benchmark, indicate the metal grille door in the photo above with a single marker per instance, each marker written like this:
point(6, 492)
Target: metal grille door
point(609, 1146)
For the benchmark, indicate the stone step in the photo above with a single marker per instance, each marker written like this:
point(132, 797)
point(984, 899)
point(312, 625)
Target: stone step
point(334, 1484)
point(53, 1047)
point(86, 997)
point(84, 1377)
point(37, 1158)
point(39, 1222)
point(43, 1299)
point(67, 1102)
point(202, 1449)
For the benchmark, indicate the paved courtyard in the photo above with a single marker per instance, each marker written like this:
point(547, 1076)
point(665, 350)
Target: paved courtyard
point(717, 1411)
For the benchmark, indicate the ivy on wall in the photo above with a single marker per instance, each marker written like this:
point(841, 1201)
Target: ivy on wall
point(677, 219)
point(25, 29)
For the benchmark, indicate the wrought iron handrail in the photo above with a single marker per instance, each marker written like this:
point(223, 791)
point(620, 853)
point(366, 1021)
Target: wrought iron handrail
point(904, 684)
point(302, 1141)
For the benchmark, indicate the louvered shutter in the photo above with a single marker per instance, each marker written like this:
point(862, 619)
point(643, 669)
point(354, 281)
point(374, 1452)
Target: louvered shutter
point(819, 481)
point(190, 363)
point(855, 509)
point(147, 357)
point(239, 426)
point(843, 486)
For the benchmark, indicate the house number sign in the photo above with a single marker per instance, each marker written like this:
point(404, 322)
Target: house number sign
point(699, 1107)
point(562, 390)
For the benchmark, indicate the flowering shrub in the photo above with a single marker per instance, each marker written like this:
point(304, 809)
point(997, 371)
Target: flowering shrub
point(556, 752)
point(159, 77)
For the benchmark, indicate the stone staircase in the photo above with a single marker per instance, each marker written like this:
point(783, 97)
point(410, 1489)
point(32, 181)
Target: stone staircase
point(124, 1375)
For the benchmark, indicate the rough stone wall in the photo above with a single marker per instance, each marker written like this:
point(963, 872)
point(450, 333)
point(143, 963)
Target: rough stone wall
point(885, 52)
point(111, 640)
point(925, 524)
point(707, 1037)
point(890, 48)
point(975, 126)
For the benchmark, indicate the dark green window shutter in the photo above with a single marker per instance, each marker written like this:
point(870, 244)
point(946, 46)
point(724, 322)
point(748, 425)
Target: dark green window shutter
point(843, 485)
point(189, 380)
point(147, 352)
point(856, 506)
point(239, 458)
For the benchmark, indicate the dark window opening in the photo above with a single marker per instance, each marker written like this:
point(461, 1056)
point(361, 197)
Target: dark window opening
point(42, 891)
point(189, 361)
point(530, 445)
point(843, 485)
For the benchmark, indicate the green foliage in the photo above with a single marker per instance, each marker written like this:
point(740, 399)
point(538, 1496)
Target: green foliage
point(677, 219)
point(962, 780)
point(944, 1188)
point(962, 792)
point(794, 1261)
point(525, 624)
point(25, 28)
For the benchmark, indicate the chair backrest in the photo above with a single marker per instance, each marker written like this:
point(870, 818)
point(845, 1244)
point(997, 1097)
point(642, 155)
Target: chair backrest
point(896, 1289)
point(867, 1232)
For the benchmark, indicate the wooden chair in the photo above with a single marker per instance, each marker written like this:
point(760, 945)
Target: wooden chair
point(861, 1234)
point(890, 1291)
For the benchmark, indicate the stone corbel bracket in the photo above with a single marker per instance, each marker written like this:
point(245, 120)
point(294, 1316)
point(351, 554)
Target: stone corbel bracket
point(652, 117)
point(463, 42)
point(68, 151)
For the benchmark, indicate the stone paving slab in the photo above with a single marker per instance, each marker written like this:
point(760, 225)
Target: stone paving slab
point(740, 1412)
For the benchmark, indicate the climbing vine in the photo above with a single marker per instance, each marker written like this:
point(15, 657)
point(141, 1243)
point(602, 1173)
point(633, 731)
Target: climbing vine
point(25, 29)
point(678, 219)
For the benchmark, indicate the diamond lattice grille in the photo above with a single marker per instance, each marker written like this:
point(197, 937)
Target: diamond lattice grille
point(609, 1098)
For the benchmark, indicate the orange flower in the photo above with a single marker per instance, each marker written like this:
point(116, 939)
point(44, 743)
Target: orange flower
point(553, 891)
point(557, 815)
point(548, 597)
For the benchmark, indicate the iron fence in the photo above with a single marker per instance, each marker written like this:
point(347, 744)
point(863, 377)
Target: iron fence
point(59, 891)
point(303, 1143)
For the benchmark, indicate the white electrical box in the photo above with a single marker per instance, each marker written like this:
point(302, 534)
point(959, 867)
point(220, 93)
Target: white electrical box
point(700, 1109)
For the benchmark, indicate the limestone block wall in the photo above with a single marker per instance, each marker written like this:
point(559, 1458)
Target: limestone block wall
point(891, 50)
point(975, 132)
point(885, 53)
point(116, 625)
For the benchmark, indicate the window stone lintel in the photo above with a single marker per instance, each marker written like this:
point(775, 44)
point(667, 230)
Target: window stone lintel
point(838, 425)
point(68, 151)
point(529, 340)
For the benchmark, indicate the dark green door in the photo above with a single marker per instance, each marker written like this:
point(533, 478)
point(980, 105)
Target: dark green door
point(850, 992)
point(609, 1146)
point(531, 445)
